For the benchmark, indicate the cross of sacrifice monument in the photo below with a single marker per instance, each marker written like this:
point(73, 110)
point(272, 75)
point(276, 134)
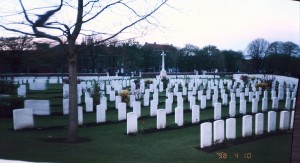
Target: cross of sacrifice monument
point(163, 72)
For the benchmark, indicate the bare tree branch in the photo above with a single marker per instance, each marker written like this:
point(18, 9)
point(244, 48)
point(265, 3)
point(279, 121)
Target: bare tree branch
point(25, 13)
point(17, 31)
point(79, 22)
point(98, 13)
point(135, 22)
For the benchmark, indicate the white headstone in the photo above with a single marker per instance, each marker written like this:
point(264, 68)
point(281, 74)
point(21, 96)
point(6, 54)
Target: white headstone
point(103, 101)
point(192, 101)
point(284, 120)
point(257, 95)
point(108, 89)
point(195, 114)
point(205, 134)
point(274, 103)
point(281, 94)
point(112, 96)
point(254, 105)
point(230, 128)
point(132, 125)
point(37, 86)
point(23, 118)
point(259, 123)
point(250, 96)
point(217, 111)
point(247, 126)
point(101, 114)
point(292, 120)
point(273, 93)
point(179, 116)
point(122, 111)
point(117, 101)
point(89, 104)
point(208, 94)
point(200, 93)
point(247, 91)
point(264, 104)
point(218, 131)
point(238, 91)
point(232, 108)
point(137, 108)
point(179, 95)
point(242, 96)
point(161, 119)
point(168, 106)
point(39, 107)
point(288, 103)
point(214, 100)
point(225, 99)
point(80, 115)
point(203, 102)
point(232, 97)
point(153, 108)
point(22, 91)
point(271, 121)
point(65, 106)
point(180, 102)
point(170, 96)
point(132, 100)
point(266, 94)
point(294, 103)
point(146, 99)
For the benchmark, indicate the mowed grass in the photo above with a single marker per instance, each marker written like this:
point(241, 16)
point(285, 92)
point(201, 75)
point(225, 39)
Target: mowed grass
point(109, 143)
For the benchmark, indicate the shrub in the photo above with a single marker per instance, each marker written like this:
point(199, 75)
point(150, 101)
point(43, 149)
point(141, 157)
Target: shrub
point(95, 92)
point(8, 104)
point(7, 87)
point(125, 96)
point(137, 83)
point(165, 81)
point(66, 81)
point(148, 81)
point(244, 78)
point(269, 79)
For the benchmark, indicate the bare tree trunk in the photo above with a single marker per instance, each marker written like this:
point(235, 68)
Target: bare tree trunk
point(73, 109)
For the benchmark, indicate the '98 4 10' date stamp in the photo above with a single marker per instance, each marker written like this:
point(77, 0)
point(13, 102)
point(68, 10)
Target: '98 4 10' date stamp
point(236, 155)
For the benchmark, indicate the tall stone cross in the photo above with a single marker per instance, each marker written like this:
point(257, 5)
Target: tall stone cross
point(163, 72)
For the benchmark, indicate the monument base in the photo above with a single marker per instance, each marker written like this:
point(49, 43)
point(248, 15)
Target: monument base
point(163, 73)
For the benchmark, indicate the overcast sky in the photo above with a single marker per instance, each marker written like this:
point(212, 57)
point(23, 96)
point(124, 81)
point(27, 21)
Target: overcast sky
point(227, 24)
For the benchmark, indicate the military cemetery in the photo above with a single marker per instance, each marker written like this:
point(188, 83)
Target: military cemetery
point(219, 123)
point(148, 81)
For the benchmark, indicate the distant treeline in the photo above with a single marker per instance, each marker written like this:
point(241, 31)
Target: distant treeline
point(20, 55)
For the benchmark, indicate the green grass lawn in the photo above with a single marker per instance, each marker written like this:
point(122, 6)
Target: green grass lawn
point(109, 143)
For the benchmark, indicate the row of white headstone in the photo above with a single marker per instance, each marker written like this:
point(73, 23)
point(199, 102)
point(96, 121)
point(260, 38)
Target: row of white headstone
point(213, 133)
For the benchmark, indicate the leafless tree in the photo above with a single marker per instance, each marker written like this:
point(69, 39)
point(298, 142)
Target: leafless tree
point(257, 50)
point(12, 49)
point(58, 24)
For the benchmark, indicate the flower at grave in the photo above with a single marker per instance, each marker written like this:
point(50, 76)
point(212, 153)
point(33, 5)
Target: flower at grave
point(148, 81)
point(253, 78)
point(165, 81)
point(218, 141)
point(124, 96)
point(66, 96)
point(201, 87)
point(262, 85)
point(244, 78)
point(268, 79)
point(67, 81)
point(137, 83)
point(138, 94)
